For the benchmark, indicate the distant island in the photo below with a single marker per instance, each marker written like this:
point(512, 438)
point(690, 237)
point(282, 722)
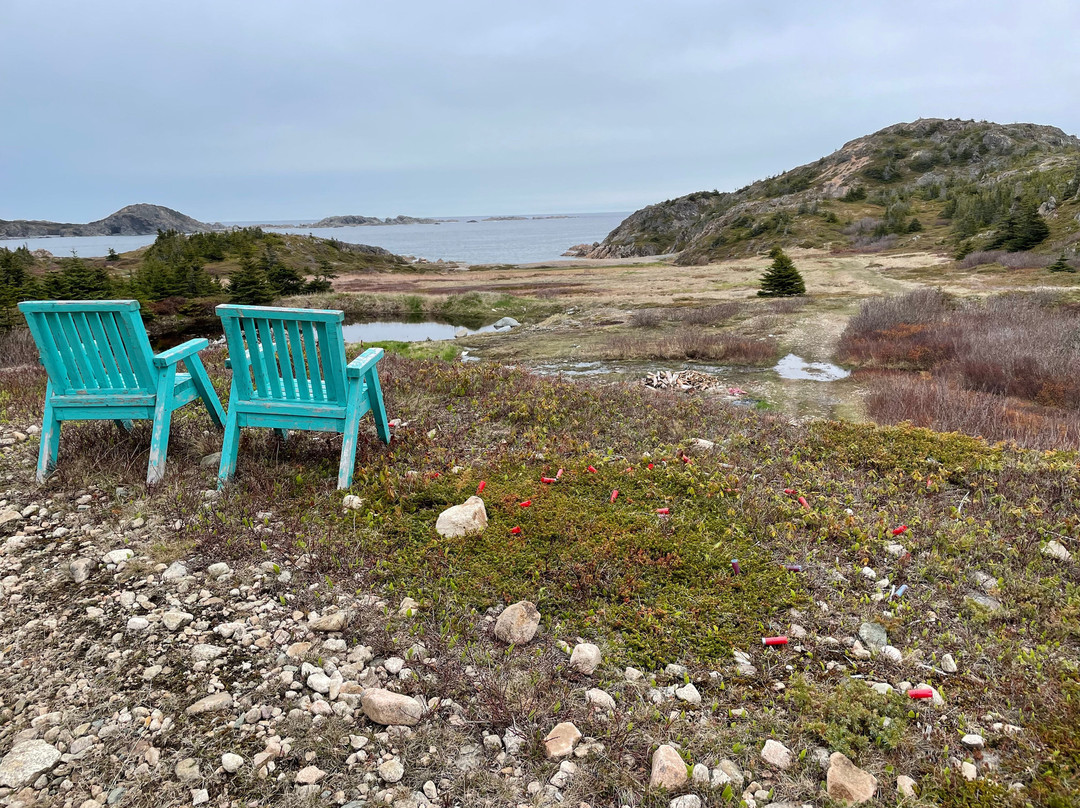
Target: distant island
point(523, 218)
point(134, 220)
point(360, 221)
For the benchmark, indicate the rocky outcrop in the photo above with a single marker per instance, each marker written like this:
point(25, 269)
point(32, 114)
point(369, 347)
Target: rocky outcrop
point(134, 220)
point(792, 208)
point(368, 221)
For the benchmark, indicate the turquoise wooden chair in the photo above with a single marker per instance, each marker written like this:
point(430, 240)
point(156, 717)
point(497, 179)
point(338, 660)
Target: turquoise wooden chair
point(289, 372)
point(100, 367)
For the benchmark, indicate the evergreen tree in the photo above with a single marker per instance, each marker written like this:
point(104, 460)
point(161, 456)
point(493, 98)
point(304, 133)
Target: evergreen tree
point(782, 278)
point(78, 280)
point(248, 285)
point(284, 279)
point(1023, 229)
point(1061, 265)
point(16, 283)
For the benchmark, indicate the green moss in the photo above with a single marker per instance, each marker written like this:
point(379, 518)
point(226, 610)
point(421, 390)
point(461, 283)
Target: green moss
point(852, 717)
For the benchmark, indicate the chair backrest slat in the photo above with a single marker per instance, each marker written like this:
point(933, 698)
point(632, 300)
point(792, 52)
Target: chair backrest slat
point(300, 371)
point(92, 345)
point(286, 354)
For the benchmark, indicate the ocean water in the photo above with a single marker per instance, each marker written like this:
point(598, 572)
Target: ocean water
point(472, 239)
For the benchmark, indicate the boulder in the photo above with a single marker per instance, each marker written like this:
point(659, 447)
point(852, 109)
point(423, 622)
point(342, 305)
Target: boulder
point(461, 520)
point(668, 769)
point(330, 622)
point(518, 623)
point(776, 754)
point(874, 635)
point(390, 709)
point(847, 783)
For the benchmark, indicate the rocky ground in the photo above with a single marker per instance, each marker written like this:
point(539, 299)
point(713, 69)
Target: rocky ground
point(138, 667)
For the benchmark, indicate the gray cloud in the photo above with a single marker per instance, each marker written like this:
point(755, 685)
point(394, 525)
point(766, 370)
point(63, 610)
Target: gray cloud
point(237, 110)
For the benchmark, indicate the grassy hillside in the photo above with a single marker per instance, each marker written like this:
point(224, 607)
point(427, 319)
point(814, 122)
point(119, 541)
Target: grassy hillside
point(932, 184)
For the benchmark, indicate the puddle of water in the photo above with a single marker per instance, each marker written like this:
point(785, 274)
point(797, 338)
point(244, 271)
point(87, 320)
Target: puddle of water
point(405, 332)
point(795, 367)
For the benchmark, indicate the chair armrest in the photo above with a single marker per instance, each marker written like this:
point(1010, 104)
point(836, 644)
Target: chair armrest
point(174, 355)
point(363, 363)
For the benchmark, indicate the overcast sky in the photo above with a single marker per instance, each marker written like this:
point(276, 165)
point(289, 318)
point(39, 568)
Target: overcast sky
point(269, 110)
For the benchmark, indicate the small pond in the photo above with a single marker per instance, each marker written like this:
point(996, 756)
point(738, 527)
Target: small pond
point(410, 332)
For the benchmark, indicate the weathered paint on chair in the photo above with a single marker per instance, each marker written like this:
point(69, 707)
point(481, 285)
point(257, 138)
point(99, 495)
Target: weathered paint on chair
point(100, 367)
point(289, 372)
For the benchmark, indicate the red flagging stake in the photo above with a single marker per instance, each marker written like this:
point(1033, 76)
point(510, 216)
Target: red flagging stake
point(591, 470)
point(558, 474)
point(685, 459)
point(649, 467)
point(736, 567)
point(515, 530)
point(481, 487)
point(804, 503)
point(899, 531)
point(525, 504)
point(663, 511)
point(921, 693)
point(615, 495)
point(789, 491)
point(548, 480)
point(774, 640)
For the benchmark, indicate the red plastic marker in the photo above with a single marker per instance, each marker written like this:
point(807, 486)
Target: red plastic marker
point(615, 495)
point(898, 531)
point(735, 566)
point(663, 511)
point(481, 487)
point(921, 693)
point(649, 467)
point(591, 470)
point(774, 640)
point(789, 491)
point(804, 503)
point(558, 474)
point(515, 530)
point(685, 459)
point(525, 504)
point(793, 567)
point(548, 480)
point(435, 474)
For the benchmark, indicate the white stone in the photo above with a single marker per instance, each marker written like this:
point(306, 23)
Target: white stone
point(390, 709)
point(968, 770)
point(329, 622)
point(600, 698)
point(948, 664)
point(175, 572)
point(973, 741)
point(203, 652)
point(461, 520)
point(309, 775)
point(686, 801)
point(585, 658)
point(1057, 550)
point(892, 653)
point(215, 702)
point(319, 682)
point(391, 771)
point(174, 620)
point(26, 762)
point(138, 624)
point(518, 623)
point(688, 693)
point(905, 786)
point(408, 607)
point(118, 556)
point(847, 783)
point(218, 570)
point(351, 502)
point(776, 754)
point(231, 762)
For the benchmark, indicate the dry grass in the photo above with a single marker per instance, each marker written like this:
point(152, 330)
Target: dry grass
point(688, 343)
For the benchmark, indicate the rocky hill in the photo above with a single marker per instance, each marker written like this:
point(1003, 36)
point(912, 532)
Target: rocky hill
point(367, 221)
point(958, 180)
point(133, 220)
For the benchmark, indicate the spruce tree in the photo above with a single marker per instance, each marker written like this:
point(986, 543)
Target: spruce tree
point(782, 278)
point(1061, 265)
point(249, 286)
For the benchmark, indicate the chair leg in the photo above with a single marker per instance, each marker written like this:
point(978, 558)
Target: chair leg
point(159, 437)
point(283, 434)
point(50, 439)
point(378, 408)
point(231, 443)
point(349, 438)
point(201, 380)
point(124, 423)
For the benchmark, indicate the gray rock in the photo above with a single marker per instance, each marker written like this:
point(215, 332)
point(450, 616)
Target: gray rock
point(212, 460)
point(187, 770)
point(79, 570)
point(117, 556)
point(199, 796)
point(461, 520)
point(214, 703)
point(9, 517)
point(874, 635)
point(973, 741)
point(518, 623)
point(175, 572)
point(948, 664)
point(319, 682)
point(469, 757)
point(174, 620)
point(218, 570)
point(26, 762)
point(600, 698)
point(506, 322)
point(203, 652)
point(391, 771)
point(686, 801)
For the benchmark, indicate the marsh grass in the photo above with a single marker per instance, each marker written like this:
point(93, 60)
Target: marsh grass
point(694, 344)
